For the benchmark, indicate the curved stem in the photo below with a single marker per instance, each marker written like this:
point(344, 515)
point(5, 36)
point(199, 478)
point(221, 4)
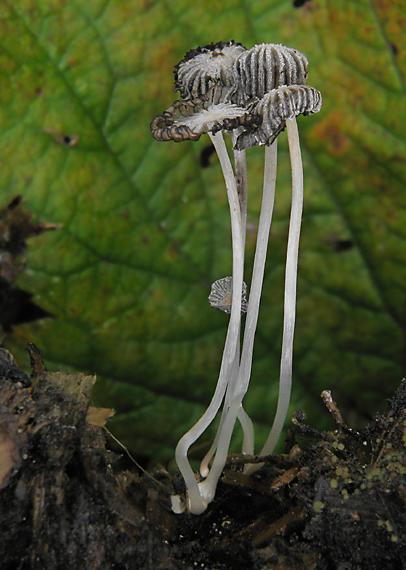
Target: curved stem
point(285, 382)
point(237, 240)
point(241, 189)
point(265, 219)
point(248, 438)
point(232, 373)
point(208, 487)
point(248, 430)
point(229, 365)
point(245, 421)
point(196, 505)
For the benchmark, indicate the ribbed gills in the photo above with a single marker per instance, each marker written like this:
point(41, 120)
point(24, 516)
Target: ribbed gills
point(275, 108)
point(268, 66)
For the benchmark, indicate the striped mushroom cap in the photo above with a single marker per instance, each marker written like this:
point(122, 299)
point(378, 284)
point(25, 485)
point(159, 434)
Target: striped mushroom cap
point(208, 71)
point(188, 120)
point(221, 295)
point(274, 109)
point(268, 66)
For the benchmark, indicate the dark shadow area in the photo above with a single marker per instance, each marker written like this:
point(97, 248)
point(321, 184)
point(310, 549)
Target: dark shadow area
point(205, 155)
point(341, 245)
point(300, 3)
point(16, 226)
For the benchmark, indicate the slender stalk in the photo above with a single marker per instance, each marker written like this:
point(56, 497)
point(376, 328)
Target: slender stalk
point(241, 179)
point(248, 438)
point(241, 184)
point(196, 505)
point(265, 220)
point(237, 240)
point(229, 365)
point(248, 431)
point(232, 373)
point(208, 487)
point(285, 382)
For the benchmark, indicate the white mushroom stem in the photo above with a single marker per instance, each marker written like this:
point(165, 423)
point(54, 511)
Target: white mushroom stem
point(265, 220)
point(229, 365)
point(237, 392)
point(209, 485)
point(237, 241)
point(241, 178)
point(248, 437)
point(195, 503)
point(248, 432)
point(285, 381)
point(233, 374)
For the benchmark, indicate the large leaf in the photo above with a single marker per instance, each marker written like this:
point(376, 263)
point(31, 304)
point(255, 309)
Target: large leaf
point(145, 225)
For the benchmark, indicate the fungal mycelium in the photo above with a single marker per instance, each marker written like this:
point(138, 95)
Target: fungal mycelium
point(252, 94)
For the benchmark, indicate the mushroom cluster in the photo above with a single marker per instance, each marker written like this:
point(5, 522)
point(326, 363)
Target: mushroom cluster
point(253, 94)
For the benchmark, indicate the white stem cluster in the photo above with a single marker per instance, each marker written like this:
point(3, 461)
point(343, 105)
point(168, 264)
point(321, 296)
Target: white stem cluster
point(285, 378)
point(236, 363)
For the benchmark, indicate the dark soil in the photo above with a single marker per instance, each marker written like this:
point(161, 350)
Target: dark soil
point(67, 502)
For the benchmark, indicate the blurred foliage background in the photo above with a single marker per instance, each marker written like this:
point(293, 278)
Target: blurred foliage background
point(145, 224)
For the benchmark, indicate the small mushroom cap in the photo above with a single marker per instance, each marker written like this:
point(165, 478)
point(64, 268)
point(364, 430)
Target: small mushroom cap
point(275, 108)
point(188, 120)
point(221, 295)
point(208, 67)
point(268, 66)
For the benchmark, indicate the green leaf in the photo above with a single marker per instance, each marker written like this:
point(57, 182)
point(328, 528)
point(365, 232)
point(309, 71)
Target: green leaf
point(146, 228)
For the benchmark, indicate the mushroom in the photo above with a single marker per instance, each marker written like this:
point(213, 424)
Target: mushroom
point(267, 66)
point(208, 71)
point(254, 94)
point(189, 120)
point(221, 295)
point(280, 106)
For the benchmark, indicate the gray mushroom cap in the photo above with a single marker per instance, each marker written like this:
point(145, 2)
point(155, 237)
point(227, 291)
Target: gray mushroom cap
point(188, 120)
point(208, 70)
point(268, 66)
point(274, 109)
point(221, 295)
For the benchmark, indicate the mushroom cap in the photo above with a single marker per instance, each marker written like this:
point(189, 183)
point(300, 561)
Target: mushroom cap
point(188, 120)
point(275, 108)
point(221, 295)
point(208, 67)
point(268, 66)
